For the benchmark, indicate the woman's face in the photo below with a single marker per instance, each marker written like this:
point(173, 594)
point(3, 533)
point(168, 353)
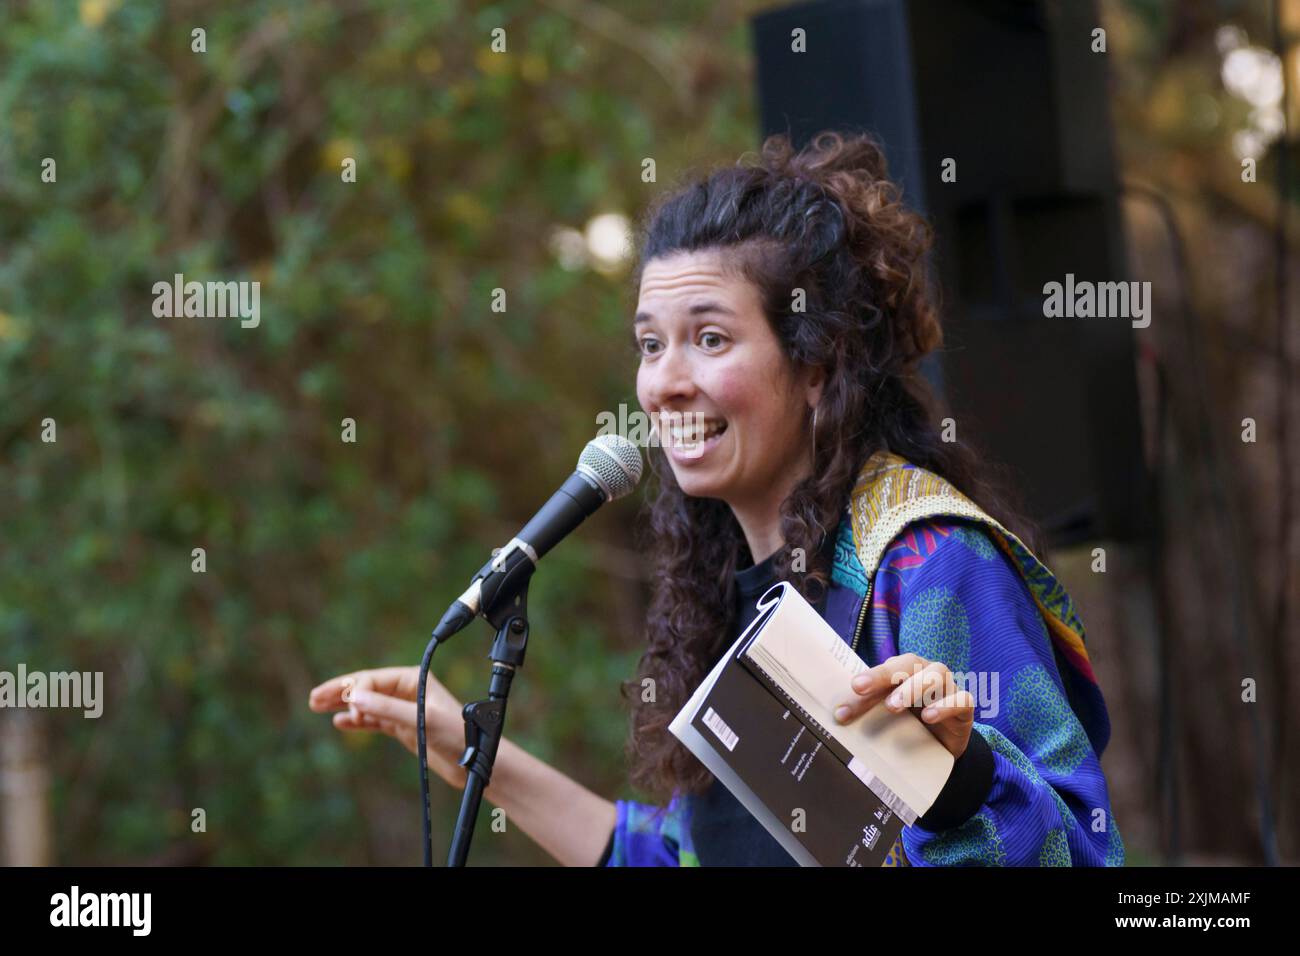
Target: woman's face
point(707, 349)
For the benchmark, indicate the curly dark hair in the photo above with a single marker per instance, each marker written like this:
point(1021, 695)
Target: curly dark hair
point(826, 219)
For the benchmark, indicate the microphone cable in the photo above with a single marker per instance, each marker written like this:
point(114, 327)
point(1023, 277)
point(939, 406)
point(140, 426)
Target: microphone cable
point(424, 753)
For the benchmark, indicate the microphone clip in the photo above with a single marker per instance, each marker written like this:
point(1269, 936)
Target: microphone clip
point(499, 589)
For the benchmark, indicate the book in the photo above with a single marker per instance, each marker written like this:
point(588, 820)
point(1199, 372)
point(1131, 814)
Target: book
point(763, 723)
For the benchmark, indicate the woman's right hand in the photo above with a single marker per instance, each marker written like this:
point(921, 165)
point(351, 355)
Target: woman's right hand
point(384, 700)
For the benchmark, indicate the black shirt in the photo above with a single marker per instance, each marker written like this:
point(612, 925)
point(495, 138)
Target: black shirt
point(723, 831)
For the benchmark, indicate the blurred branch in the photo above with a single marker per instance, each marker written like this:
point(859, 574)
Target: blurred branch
point(178, 161)
point(639, 39)
point(1196, 174)
point(187, 128)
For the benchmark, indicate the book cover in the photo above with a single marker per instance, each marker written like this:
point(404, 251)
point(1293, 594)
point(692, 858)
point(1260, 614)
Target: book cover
point(831, 794)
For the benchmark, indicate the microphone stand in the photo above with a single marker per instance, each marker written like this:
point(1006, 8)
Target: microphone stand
point(485, 719)
point(499, 593)
point(484, 723)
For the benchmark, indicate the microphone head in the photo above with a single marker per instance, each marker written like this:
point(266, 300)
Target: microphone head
point(613, 462)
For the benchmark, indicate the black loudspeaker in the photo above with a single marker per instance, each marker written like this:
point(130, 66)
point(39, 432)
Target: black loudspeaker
point(1013, 92)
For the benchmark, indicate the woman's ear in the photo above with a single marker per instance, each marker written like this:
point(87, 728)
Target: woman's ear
point(816, 382)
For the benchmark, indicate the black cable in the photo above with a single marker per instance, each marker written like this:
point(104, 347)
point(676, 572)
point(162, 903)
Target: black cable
point(1223, 506)
point(424, 753)
point(457, 617)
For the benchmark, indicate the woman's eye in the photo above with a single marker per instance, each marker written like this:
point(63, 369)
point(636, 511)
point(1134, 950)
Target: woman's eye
point(710, 340)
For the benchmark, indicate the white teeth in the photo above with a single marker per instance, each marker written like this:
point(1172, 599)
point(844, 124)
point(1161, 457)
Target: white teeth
point(692, 434)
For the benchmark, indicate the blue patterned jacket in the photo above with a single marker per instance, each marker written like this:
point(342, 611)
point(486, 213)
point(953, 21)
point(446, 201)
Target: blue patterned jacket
point(918, 568)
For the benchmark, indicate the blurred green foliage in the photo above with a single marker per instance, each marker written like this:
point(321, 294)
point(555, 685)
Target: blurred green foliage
point(325, 557)
point(180, 433)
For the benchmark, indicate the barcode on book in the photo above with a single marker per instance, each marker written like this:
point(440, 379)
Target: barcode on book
point(719, 727)
point(887, 796)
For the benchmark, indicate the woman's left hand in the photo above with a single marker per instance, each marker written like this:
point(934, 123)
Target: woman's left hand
point(927, 687)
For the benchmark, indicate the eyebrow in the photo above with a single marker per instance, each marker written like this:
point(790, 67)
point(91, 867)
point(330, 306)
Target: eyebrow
point(699, 308)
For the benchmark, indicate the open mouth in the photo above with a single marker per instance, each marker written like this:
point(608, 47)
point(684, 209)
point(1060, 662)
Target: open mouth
point(689, 435)
point(696, 432)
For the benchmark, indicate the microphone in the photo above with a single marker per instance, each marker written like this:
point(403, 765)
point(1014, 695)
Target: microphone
point(608, 468)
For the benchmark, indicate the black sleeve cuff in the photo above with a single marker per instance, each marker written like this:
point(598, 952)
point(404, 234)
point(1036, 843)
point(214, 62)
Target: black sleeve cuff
point(967, 788)
point(609, 850)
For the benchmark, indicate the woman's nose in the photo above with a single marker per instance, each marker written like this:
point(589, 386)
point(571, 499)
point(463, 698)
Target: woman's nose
point(671, 378)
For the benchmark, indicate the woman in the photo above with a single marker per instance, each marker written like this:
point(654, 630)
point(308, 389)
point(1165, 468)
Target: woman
point(785, 304)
